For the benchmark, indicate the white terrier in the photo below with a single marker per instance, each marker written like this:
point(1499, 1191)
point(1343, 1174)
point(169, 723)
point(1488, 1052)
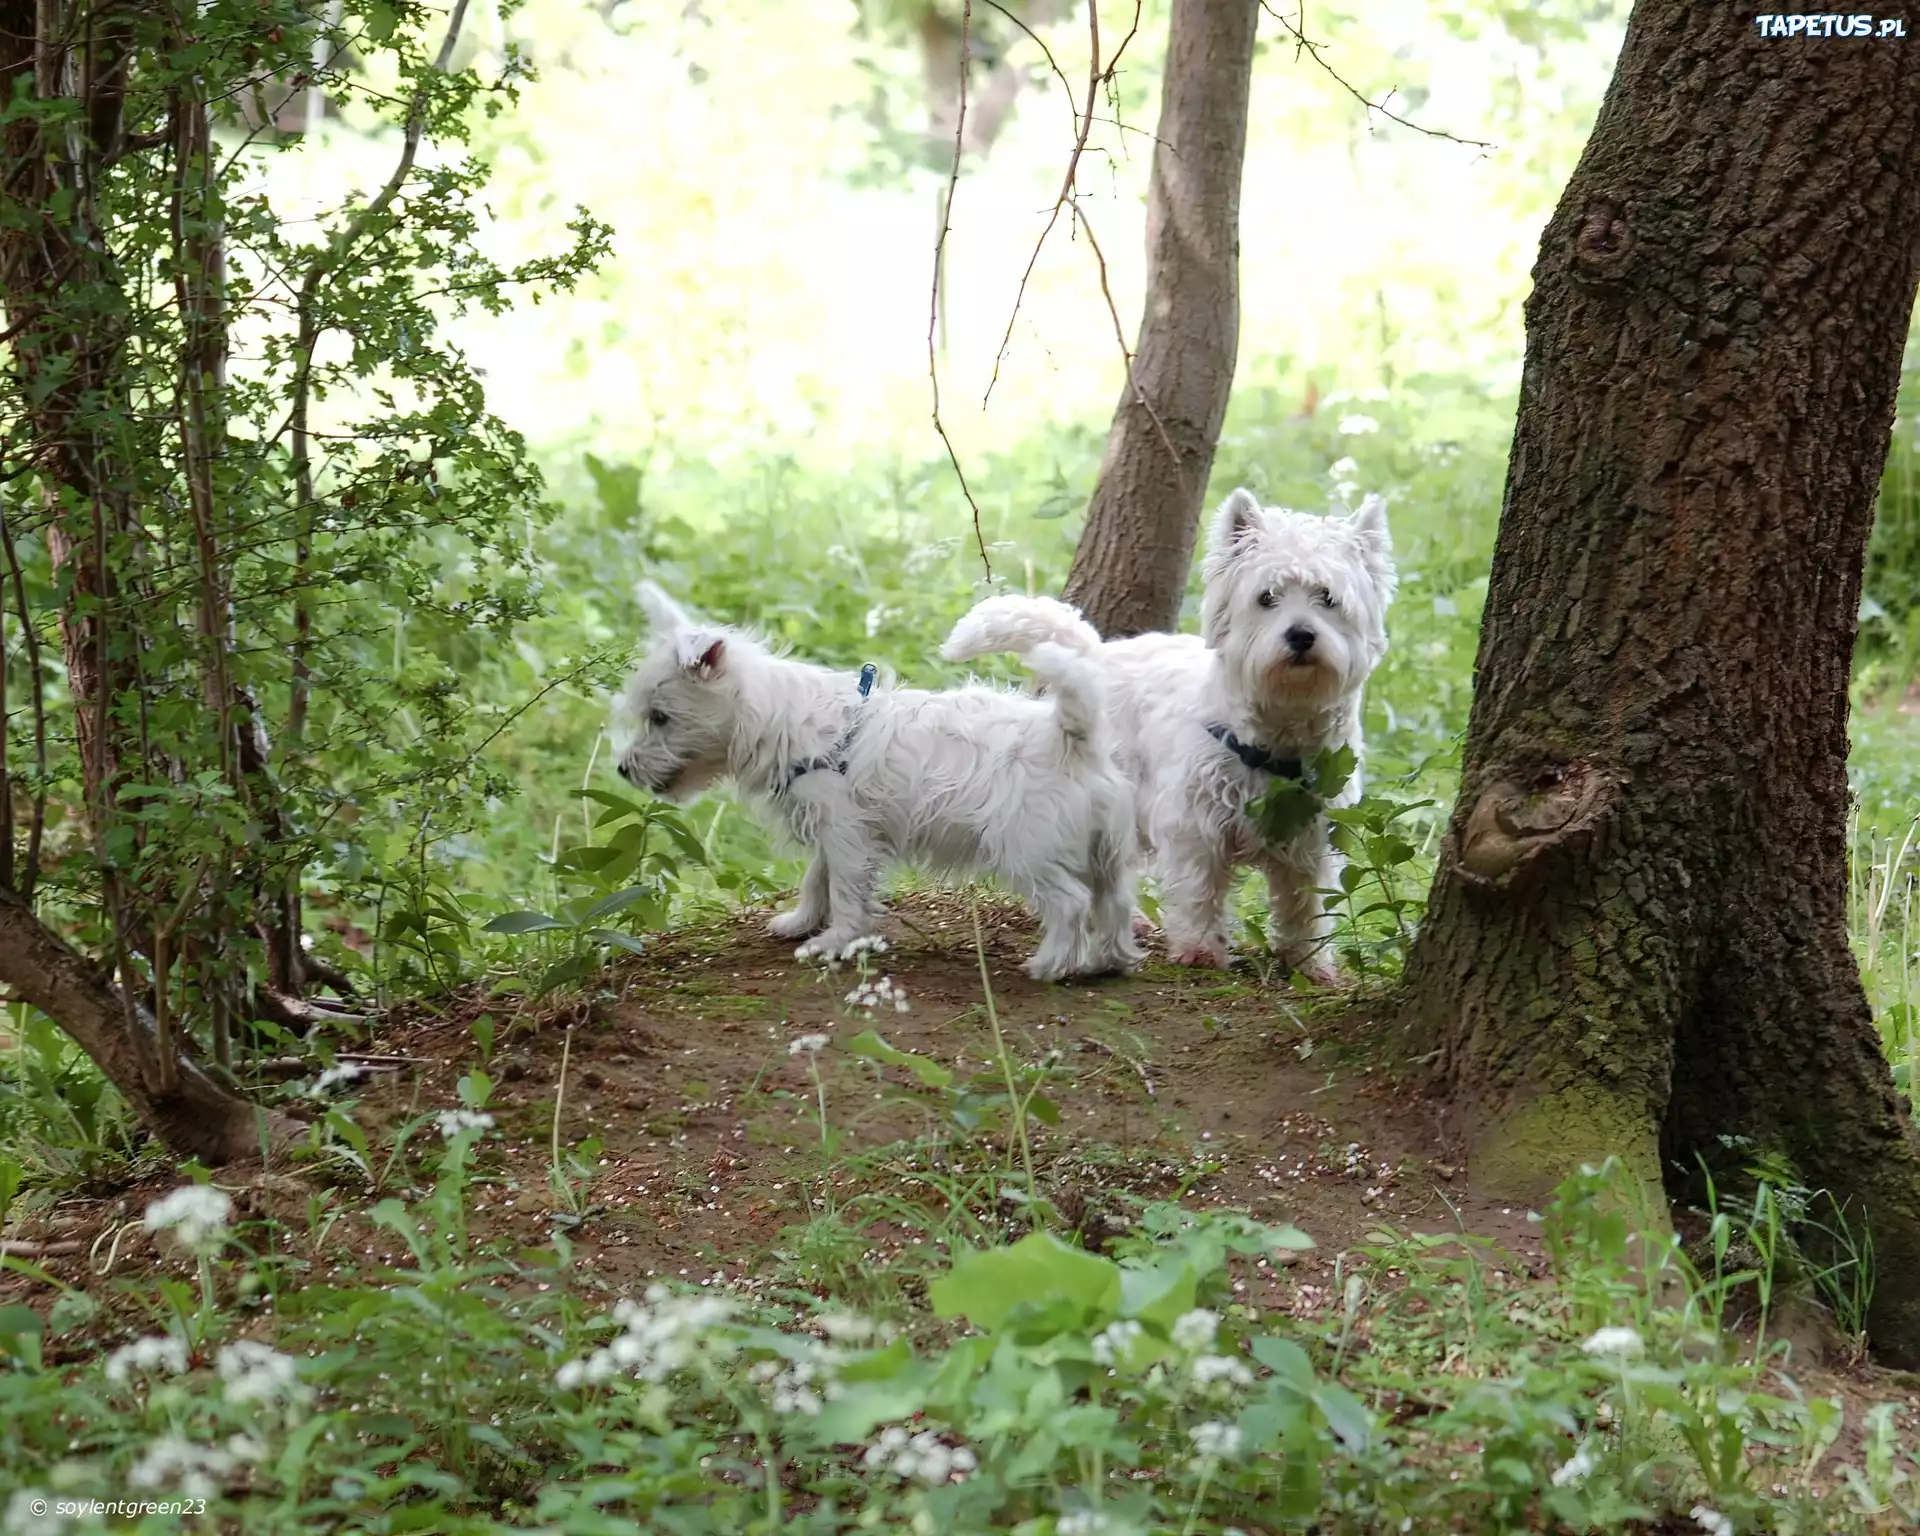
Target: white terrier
point(974, 779)
point(1294, 621)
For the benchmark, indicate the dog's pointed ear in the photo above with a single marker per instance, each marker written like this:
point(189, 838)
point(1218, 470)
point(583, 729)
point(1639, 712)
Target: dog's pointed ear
point(702, 652)
point(663, 613)
point(1238, 517)
point(1369, 524)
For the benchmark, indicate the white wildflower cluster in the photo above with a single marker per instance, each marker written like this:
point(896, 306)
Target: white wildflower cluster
point(335, 1075)
point(846, 1328)
point(808, 1045)
point(1621, 1343)
point(1194, 1331)
point(1711, 1520)
point(197, 1471)
point(878, 994)
point(1357, 426)
point(661, 1336)
point(924, 1457)
point(258, 1373)
point(792, 1387)
point(1215, 1439)
point(1114, 1343)
point(457, 1122)
point(196, 1214)
point(161, 1352)
point(1083, 1522)
point(1215, 1371)
point(1576, 1468)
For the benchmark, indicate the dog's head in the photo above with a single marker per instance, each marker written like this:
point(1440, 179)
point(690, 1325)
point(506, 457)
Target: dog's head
point(1296, 604)
point(678, 710)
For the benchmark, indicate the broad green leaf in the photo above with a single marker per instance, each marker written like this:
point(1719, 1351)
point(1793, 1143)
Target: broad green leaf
point(988, 1286)
point(869, 1044)
point(523, 922)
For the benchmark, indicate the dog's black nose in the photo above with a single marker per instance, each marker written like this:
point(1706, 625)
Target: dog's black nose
point(624, 772)
point(1299, 639)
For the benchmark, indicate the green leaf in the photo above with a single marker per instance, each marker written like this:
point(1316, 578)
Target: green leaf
point(383, 19)
point(522, 922)
point(869, 1044)
point(1160, 1294)
point(1346, 1416)
point(618, 940)
point(1332, 770)
point(990, 1286)
point(1284, 811)
point(1286, 1359)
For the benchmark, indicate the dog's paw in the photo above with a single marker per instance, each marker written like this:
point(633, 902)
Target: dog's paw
point(1206, 955)
point(1142, 927)
point(791, 925)
point(1322, 973)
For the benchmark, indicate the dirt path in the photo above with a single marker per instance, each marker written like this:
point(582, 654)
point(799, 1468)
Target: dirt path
point(1205, 1086)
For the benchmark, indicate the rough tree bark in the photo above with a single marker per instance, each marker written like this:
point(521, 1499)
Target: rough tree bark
point(1130, 568)
point(1637, 941)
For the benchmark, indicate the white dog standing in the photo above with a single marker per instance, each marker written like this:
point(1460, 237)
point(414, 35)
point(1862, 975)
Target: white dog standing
point(1294, 621)
point(976, 779)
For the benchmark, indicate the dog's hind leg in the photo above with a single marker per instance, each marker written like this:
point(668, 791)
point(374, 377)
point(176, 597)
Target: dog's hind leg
point(1065, 907)
point(809, 914)
point(1115, 932)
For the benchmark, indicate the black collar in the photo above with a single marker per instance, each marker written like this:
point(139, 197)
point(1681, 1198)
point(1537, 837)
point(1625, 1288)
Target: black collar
point(837, 758)
point(1258, 758)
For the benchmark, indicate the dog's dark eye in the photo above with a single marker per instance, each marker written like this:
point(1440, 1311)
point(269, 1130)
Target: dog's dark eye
point(656, 717)
point(1324, 598)
point(1265, 599)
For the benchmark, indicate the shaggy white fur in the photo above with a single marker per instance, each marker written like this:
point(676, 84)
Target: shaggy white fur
point(1293, 623)
point(975, 779)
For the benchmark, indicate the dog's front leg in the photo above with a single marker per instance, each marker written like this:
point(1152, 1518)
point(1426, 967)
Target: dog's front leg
point(852, 861)
point(1299, 926)
point(809, 914)
point(1195, 878)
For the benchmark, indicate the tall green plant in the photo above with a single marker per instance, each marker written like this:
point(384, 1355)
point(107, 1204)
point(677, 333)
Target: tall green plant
point(257, 515)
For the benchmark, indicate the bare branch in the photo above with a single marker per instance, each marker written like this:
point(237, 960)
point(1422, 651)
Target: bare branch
point(1304, 43)
point(939, 263)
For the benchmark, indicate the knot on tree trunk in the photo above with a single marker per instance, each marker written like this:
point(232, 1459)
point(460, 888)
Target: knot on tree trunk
point(1603, 245)
point(1513, 827)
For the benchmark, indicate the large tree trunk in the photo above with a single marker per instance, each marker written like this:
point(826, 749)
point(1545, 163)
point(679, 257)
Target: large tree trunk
point(1130, 569)
point(1637, 938)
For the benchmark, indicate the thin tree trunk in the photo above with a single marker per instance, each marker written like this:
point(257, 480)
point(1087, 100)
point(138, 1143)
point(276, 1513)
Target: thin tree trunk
point(1130, 569)
point(1637, 938)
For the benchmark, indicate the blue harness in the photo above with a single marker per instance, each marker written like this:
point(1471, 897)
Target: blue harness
point(837, 758)
point(1258, 758)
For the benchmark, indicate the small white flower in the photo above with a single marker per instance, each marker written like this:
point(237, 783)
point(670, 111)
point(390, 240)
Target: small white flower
point(570, 1375)
point(1623, 1342)
point(1216, 1439)
point(845, 1328)
point(924, 1457)
point(1113, 1343)
point(257, 1373)
point(871, 944)
point(878, 993)
point(1194, 1330)
point(196, 1470)
point(341, 1072)
point(808, 1045)
point(1356, 426)
point(1210, 1369)
point(1711, 1521)
point(661, 1336)
point(792, 1389)
point(457, 1122)
point(196, 1214)
point(1575, 1469)
point(160, 1352)
point(1341, 469)
point(1083, 1522)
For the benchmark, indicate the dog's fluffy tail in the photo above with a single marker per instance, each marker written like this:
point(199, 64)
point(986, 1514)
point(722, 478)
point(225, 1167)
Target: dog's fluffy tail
point(1078, 694)
point(1019, 624)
